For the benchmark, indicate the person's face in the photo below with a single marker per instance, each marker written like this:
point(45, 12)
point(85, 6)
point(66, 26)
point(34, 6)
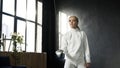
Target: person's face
point(73, 22)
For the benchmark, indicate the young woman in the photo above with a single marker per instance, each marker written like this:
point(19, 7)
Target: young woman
point(75, 46)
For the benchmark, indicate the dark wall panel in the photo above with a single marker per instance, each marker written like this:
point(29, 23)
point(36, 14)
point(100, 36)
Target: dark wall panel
point(100, 19)
point(48, 33)
point(0, 18)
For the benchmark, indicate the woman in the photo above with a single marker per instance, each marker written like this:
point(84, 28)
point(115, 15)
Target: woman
point(75, 46)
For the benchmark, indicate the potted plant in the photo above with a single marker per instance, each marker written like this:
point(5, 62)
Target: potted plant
point(17, 38)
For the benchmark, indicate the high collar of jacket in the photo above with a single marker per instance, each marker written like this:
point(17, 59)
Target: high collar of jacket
point(75, 29)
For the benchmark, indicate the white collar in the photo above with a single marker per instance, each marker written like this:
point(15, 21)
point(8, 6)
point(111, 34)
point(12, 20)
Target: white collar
point(75, 29)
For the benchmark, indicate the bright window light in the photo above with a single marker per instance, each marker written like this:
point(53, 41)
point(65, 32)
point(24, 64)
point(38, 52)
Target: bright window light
point(39, 39)
point(63, 25)
point(31, 11)
point(8, 6)
point(25, 19)
point(21, 8)
point(7, 28)
point(39, 13)
point(30, 37)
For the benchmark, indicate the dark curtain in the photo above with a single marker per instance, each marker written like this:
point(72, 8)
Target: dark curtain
point(48, 32)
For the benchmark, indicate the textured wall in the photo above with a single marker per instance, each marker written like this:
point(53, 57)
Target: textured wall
point(100, 19)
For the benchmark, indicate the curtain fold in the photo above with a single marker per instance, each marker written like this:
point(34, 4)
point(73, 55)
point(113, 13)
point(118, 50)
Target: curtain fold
point(48, 32)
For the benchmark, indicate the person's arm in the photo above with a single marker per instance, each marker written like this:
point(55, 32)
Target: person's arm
point(87, 51)
point(64, 49)
point(71, 59)
point(64, 44)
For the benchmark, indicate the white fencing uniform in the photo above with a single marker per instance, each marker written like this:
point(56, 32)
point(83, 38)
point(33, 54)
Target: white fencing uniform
point(75, 45)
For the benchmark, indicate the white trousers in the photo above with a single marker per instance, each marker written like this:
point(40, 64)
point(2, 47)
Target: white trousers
point(68, 64)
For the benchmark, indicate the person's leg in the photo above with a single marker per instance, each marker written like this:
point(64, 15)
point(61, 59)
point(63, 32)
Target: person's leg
point(81, 66)
point(69, 64)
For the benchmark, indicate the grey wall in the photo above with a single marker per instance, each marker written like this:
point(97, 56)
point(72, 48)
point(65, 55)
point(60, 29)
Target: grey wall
point(100, 19)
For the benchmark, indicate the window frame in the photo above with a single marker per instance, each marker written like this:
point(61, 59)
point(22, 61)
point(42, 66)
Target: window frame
point(23, 19)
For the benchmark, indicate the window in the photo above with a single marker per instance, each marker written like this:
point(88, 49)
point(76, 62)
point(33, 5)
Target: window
point(21, 16)
point(22, 31)
point(8, 8)
point(21, 8)
point(63, 25)
point(30, 37)
point(7, 28)
point(39, 28)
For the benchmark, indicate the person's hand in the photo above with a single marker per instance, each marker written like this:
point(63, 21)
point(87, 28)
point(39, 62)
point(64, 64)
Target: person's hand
point(87, 65)
point(59, 53)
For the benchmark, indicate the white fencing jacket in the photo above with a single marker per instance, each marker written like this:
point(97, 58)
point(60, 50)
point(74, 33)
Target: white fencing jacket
point(75, 47)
